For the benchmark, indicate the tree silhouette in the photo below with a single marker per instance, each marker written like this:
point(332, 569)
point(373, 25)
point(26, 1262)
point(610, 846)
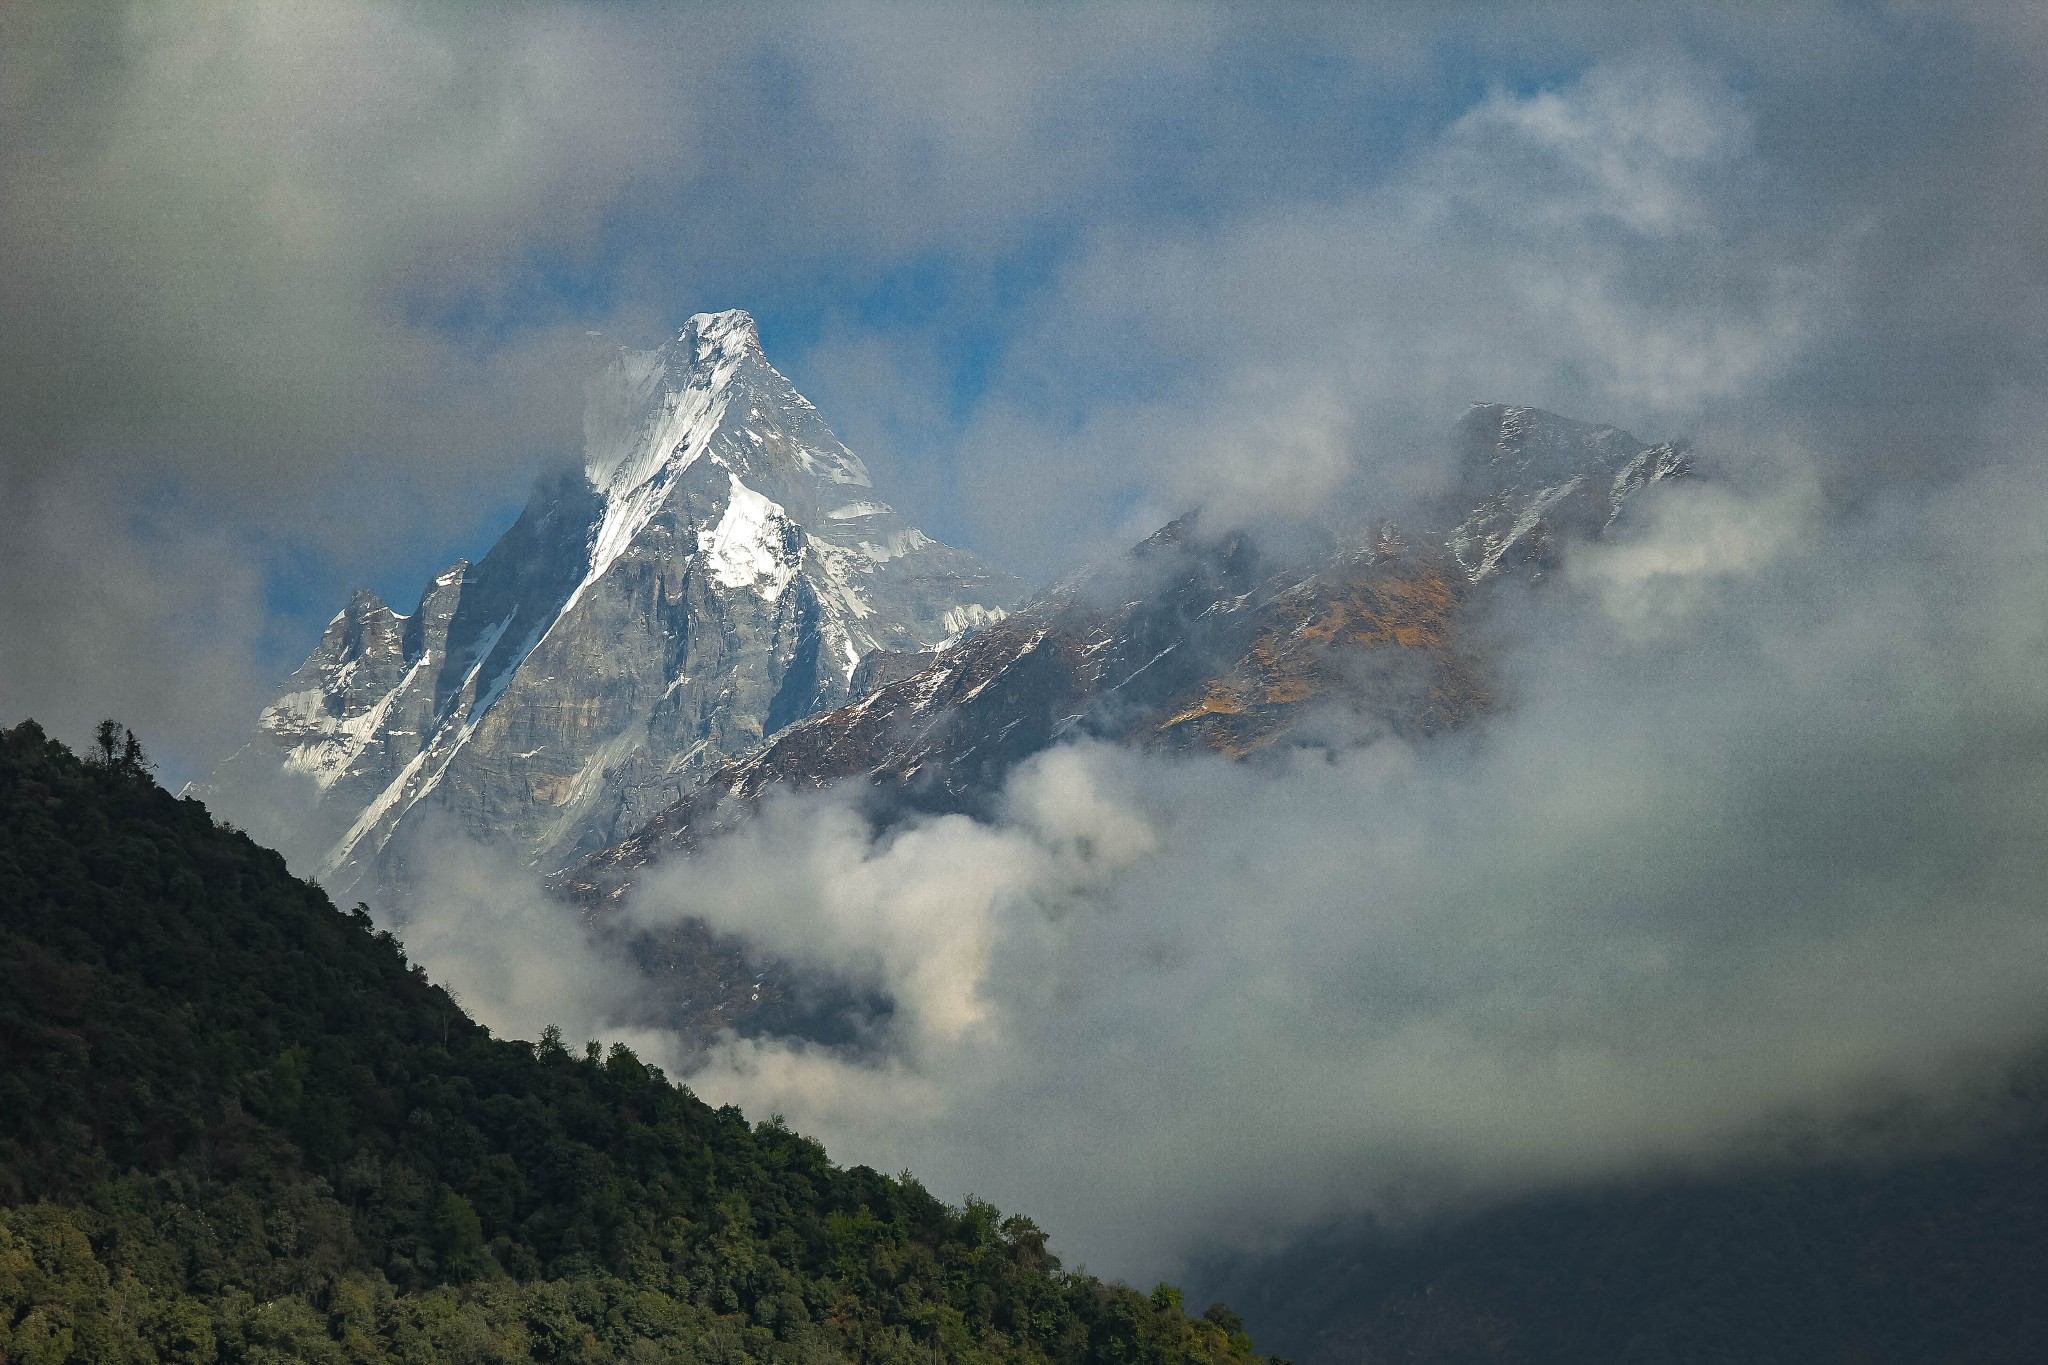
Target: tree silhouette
point(115, 748)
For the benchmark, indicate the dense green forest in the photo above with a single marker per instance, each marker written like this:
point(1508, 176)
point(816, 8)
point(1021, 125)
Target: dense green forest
point(237, 1125)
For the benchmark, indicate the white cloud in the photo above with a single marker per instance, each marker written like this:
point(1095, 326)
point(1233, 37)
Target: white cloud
point(1624, 143)
point(514, 958)
point(1690, 537)
point(1693, 885)
point(1576, 248)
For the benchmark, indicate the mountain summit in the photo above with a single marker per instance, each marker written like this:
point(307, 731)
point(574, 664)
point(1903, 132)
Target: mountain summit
point(716, 572)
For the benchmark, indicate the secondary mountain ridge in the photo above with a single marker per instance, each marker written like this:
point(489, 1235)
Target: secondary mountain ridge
point(1198, 640)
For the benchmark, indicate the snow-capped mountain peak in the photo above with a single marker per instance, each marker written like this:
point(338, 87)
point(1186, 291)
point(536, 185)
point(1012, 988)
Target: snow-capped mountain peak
point(711, 337)
point(716, 572)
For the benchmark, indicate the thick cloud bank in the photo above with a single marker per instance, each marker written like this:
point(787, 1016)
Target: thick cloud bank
point(1760, 840)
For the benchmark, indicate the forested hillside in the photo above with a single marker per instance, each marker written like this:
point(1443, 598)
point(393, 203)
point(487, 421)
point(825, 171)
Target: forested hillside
point(237, 1125)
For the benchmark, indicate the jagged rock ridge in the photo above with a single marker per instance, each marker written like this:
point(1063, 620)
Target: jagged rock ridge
point(716, 572)
point(1530, 477)
point(1197, 641)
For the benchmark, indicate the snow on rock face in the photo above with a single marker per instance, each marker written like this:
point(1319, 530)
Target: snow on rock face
point(749, 548)
point(341, 740)
point(958, 621)
point(337, 706)
point(635, 486)
point(907, 541)
point(649, 416)
point(360, 692)
point(721, 338)
point(1534, 476)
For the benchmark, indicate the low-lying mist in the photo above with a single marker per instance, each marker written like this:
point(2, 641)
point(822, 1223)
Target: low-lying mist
point(1754, 844)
